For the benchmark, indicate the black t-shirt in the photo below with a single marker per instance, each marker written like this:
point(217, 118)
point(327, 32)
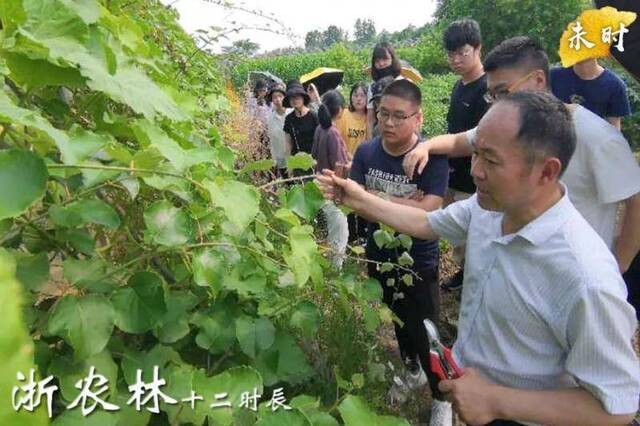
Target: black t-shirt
point(301, 130)
point(378, 170)
point(466, 108)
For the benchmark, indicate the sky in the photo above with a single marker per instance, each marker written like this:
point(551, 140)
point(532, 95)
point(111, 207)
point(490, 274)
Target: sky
point(301, 16)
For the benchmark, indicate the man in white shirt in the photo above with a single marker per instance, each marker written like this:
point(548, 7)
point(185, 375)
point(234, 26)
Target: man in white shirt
point(544, 330)
point(603, 171)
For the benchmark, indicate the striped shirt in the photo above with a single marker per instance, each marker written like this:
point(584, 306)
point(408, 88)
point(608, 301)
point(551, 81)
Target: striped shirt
point(545, 307)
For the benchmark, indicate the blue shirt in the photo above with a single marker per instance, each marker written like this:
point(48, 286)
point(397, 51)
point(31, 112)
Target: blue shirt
point(544, 307)
point(378, 170)
point(605, 95)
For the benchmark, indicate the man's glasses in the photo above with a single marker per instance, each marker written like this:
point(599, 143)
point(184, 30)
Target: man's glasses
point(396, 119)
point(459, 53)
point(496, 96)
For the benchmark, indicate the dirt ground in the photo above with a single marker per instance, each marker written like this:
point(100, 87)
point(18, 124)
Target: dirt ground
point(416, 409)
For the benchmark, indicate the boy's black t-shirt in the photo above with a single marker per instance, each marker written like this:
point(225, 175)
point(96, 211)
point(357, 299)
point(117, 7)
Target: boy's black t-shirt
point(378, 170)
point(301, 130)
point(466, 108)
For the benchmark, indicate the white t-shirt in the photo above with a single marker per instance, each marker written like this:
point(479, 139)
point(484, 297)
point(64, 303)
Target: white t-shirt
point(602, 171)
point(277, 144)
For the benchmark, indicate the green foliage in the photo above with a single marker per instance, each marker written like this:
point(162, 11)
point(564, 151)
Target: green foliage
point(126, 206)
point(28, 176)
point(364, 31)
point(320, 40)
point(16, 348)
point(293, 66)
point(630, 124)
point(500, 19)
point(436, 92)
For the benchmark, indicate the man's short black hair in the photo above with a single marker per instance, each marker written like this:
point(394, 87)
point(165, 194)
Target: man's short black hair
point(404, 89)
point(518, 52)
point(461, 32)
point(546, 126)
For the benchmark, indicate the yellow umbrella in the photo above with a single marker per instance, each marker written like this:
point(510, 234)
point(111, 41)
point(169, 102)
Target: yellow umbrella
point(407, 71)
point(324, 79)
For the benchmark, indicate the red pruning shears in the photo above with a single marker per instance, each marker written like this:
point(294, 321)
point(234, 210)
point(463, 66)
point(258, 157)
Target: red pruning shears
point(442, 363)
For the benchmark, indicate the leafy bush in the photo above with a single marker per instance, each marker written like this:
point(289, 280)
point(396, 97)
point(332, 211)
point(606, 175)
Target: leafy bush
point(436, 92)
point(544, 20)
point(137, 241)
point(428, 55)
point(290, 67)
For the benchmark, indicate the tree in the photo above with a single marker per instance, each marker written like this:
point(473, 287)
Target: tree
point(384, 35)
point(244, 47)
point(543, 20)
point(333, 35)
point(313, 40)
point(364, 31)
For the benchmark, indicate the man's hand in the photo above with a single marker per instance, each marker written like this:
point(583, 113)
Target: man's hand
point(472, 397)
point(417, 158)
point(353, 194)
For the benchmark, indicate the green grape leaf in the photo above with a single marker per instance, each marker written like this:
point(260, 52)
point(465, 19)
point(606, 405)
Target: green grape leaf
point(382, 238)
point(32, 270)
point(287, 216)
point(215, 334)
point(180, 158)
point(408, 280)
point(85, 323)
point(36, 73)
point(174, 325)
point(167, 225)
point(69, 372)
point(303, 253)
point(254, 334)
point(406, 241)
point(233, 382)
point(28, 176)
point(16, 347)
point(306, 318)
point(79, 239)
point(405, 259)
point(75, 418)
point(88, 274)
point(246, 278)
point(305, 201)
point(292, 417)
point(370, 290)
point(139, 306)
point(355, 412)
point(386, 267)
point(284, 361)
point(83, 145)
point(180, 381)
point(159, 355)
point(240, 202)
point(258, 166)
point(300, 161)
point(85, 211)
point(209, 268)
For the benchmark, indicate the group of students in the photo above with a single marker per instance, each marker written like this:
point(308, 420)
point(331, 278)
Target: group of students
point(544, 331)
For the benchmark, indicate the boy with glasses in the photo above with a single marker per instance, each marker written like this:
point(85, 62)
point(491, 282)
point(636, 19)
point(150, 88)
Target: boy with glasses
point(544, 332)
point(377, 166)
point(463, 42)
point(602, 174)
